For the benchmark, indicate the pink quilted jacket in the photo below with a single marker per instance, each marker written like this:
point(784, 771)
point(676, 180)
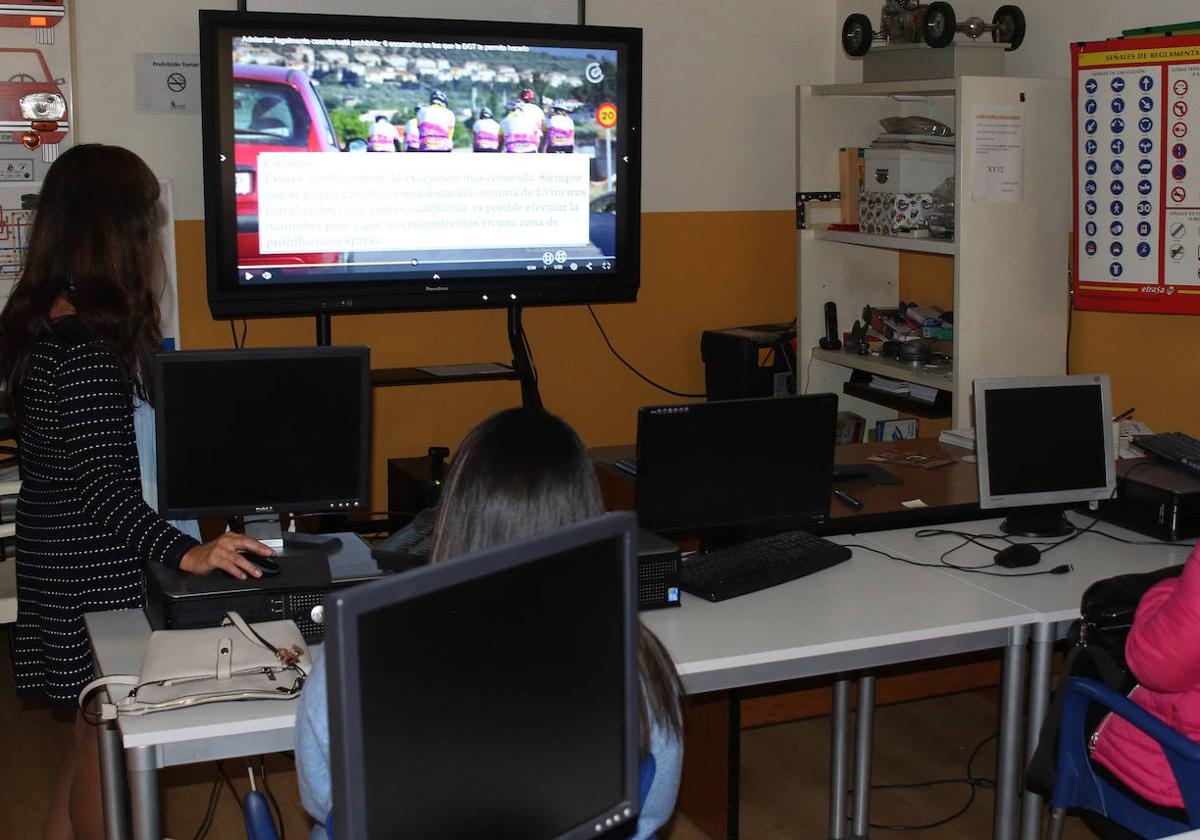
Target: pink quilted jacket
point(1163, 650)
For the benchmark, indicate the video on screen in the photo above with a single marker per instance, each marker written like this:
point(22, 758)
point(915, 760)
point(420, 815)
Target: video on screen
point(430, 157)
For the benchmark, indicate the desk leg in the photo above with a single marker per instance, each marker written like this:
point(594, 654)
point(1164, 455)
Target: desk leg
point(839, 743)
point(1040, 662)
point(112, 782)
point(1008, 754)
point(143, 790)
point(864, 722)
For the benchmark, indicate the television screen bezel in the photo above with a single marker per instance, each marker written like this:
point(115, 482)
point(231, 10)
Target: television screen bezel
point(345, 674)
point(163, 417)
point(989, 500)
point(228, 298)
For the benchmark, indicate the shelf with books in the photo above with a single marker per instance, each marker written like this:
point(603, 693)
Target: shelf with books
point(923, 244)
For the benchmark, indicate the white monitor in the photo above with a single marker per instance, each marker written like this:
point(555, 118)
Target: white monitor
point(1043, 442)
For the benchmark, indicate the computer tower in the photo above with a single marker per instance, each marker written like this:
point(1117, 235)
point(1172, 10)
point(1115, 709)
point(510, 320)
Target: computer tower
point(753, 361)
point(657, 572)
point(1158, 500)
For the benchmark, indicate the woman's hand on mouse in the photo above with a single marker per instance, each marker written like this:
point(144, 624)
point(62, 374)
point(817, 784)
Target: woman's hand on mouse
point(222, 553)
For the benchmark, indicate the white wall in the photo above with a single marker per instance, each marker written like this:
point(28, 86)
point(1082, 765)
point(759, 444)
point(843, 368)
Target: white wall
point(719, 124)
point(1051, 26)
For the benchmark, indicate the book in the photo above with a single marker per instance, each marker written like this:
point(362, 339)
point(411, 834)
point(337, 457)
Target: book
point(902, 429)
point(850, 168)
point(850, 427)
point(958, 437)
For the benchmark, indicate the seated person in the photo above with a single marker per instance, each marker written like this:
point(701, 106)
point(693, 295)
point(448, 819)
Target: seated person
point(1163, 651)
point(517, 474)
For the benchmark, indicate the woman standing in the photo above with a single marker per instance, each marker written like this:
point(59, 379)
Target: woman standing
point(76, 339)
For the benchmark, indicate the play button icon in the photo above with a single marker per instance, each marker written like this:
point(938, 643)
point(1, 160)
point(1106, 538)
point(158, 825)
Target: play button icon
point(248, 276)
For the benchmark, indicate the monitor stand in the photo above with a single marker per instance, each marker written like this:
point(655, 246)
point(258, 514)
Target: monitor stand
point(1037, 521)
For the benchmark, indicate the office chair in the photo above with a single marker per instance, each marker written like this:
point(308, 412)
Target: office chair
point(1078, 786)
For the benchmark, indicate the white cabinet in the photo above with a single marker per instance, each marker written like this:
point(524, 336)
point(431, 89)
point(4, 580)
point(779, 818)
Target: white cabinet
point(1011, 282)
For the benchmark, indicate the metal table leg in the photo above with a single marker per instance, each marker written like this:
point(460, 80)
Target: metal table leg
point(864, 722)
point(143, 790)
point(1009, 749)
point(1041, 654)
point(839, 743)
point(112, 782)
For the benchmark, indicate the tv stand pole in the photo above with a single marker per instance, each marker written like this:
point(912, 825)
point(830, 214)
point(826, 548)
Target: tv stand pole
point(324, 330)
point(522, 362)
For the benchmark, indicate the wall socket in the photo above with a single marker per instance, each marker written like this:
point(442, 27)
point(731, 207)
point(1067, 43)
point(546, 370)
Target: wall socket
point(16, 170)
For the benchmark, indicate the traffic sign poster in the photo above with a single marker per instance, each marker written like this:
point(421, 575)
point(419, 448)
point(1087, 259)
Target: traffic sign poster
point(1137, 175)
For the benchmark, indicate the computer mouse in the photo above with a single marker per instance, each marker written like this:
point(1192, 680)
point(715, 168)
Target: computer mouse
point(269, 566)
point(1017, 555)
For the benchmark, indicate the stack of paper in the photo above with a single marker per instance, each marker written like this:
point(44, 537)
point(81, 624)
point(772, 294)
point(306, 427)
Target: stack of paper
point(958, 437)
point(891, 386)
point(924, 393)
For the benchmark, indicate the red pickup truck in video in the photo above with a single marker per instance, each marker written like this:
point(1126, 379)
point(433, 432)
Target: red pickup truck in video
point(276, 109)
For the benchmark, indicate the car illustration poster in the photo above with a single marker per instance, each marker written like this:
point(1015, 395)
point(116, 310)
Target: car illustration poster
point(1137, 175)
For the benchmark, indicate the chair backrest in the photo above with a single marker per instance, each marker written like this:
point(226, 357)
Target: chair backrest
point(1078, 786)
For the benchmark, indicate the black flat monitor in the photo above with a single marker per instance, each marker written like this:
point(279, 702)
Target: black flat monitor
point(281, 430)
point(355, 163)
point(1043, 443)
point(736, 467)
point(491, 695)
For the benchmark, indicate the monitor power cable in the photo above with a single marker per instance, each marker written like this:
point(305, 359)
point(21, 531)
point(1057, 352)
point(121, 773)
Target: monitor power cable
point(637, 372)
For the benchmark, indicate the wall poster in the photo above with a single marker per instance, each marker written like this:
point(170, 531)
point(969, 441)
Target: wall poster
point(1137, 174)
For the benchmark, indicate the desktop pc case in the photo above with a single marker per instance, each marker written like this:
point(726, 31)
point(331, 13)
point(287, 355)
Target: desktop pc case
point(657, 571)
point(1158, 500)
point(177, 601)
point(753, 361)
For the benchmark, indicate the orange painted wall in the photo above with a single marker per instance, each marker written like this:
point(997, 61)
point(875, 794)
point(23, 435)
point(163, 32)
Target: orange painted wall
point(699, 271)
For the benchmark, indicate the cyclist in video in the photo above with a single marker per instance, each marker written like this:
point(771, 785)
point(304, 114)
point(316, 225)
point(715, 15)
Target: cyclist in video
point(530, 106)
point(437, 125)
point(560, 130)
point(519, 130)
point(384, 136)
point(486, 132)
point(412, 131)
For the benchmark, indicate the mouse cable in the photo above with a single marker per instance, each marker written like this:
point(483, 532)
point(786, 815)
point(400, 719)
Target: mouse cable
point(979, 570)
point(975, 784)
point(637, 372)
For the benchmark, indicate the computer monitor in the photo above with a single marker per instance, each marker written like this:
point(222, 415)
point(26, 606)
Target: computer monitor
point(1042, 443)
point(732, 468)
point(281, 430)
point(491, 695)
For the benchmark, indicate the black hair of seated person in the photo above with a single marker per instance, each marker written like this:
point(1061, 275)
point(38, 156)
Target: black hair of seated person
point(522, 472)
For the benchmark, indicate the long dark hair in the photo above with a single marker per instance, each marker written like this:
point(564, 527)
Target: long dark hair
point(94, 242)
point(522, 472)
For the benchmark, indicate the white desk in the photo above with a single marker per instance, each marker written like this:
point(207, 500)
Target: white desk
point(186, 736)
point(862, 614)
point(1054, 598)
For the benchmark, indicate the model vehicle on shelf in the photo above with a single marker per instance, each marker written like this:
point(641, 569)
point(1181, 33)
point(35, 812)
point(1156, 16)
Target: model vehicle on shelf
point(910, 22)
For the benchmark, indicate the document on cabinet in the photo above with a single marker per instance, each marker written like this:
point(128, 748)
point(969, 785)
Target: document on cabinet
point(998, 148)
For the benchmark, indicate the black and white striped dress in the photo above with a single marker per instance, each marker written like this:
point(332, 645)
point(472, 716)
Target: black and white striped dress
point(83, 529)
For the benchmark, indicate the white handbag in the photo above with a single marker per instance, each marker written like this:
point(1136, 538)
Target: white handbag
point(236, 661)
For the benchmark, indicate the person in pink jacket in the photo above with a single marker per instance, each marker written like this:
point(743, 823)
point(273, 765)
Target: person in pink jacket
point(1163, 653)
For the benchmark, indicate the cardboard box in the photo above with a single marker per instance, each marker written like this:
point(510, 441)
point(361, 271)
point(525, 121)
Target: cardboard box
point(898, 171)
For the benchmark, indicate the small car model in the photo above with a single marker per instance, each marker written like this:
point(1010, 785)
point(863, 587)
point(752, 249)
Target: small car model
point(33, 109)
point(909, 22)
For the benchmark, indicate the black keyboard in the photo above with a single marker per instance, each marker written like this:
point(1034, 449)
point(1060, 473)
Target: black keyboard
point(1176, 447)
point(757, 564)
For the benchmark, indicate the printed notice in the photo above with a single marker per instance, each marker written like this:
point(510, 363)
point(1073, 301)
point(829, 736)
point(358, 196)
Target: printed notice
point(999, 143)
point(167, 84)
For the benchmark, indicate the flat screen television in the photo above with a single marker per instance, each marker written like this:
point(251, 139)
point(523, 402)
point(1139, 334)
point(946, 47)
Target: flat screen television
point(446, 163)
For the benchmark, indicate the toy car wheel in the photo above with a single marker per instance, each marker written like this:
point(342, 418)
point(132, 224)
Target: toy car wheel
point(939, 24)
point(857, 35)
point(1010, 26)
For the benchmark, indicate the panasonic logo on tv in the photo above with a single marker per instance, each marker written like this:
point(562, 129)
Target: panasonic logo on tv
point(437, 288)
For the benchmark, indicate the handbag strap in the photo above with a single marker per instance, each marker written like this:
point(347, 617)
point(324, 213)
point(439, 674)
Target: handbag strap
point(288, 656)
point(108, 711)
